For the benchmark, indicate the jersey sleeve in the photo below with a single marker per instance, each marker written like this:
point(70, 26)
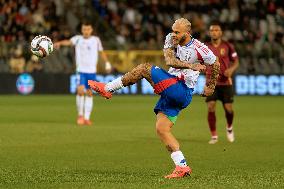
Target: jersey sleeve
point(206, 55)
point(99, 43)
point(233, 55)
point(168, 42)
point(74, 40)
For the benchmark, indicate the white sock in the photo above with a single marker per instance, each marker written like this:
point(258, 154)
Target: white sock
point(88, 107)
point(80, 104)
point(230, 129)
point(114, 85)
point(178, 158)
point(214, 137)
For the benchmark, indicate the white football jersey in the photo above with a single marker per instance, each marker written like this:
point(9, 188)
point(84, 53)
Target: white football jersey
point(87, 53)
point(193, 52)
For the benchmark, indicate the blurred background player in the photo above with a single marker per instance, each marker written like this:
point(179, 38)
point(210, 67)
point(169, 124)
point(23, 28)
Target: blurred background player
point(183, 54)
point(87, 49)
point(224, 91)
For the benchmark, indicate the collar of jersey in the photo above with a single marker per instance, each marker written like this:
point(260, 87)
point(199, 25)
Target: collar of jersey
point(190, 42)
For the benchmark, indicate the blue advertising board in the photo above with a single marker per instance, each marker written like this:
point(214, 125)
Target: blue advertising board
point(243, 84)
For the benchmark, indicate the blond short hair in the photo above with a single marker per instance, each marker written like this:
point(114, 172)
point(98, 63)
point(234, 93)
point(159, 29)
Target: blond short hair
point(184, 22)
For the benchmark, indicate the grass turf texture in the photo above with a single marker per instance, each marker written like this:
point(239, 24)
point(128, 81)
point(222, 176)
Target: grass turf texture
point(42, 147)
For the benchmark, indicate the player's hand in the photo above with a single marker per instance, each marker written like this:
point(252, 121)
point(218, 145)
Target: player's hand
point(198, 67)
point(56, 45)
point(207, 91)
point(108, 67)
point(228, 73)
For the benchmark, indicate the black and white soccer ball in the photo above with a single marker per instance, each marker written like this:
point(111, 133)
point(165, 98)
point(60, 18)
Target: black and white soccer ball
point(41, 46)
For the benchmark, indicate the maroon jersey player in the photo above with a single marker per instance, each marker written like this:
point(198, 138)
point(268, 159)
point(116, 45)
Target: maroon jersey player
point(229, 62)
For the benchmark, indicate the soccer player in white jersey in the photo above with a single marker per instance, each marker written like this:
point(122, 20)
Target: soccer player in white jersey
point(186, 57)
point(87, 49)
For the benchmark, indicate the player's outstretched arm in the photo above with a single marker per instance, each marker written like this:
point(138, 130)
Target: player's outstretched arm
point(66, 42)
point(172, 61)
point(210, 86)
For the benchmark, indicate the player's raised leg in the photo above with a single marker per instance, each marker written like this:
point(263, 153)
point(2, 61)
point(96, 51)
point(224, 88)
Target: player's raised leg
point(80, 100)
point(229, 113)
point(130, 78)
point(211, 118)
point(163, 129)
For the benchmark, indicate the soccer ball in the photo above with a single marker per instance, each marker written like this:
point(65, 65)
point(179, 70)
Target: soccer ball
point(41, 46)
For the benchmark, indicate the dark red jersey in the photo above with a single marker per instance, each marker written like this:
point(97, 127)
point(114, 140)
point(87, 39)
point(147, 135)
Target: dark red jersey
point(226, 54)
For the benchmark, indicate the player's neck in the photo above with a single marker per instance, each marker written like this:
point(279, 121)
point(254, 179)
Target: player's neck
point(186, 41)
point(216, 42)
point(86, 37)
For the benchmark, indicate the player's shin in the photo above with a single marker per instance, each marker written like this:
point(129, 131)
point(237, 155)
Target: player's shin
point(178, 158)
point(212, 123)
point(80, 104)
point(229, 118)
point(114, 85)
point(88, 106)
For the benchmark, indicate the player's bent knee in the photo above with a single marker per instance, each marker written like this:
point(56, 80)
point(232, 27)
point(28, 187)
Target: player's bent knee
point(228, 108)
point(162, 129)
point(211, 106)
point(80, 93)
point(211, 109)
point(80, 90)
point(159, 131)
point(89, 92)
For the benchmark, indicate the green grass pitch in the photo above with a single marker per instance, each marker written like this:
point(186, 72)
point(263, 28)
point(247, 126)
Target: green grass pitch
point(42, 147)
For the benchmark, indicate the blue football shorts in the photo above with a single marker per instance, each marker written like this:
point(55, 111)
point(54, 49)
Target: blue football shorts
point(174, 98)
point(82, 79)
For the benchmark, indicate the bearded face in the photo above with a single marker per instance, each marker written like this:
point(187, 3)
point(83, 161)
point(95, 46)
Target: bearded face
point(179, 35)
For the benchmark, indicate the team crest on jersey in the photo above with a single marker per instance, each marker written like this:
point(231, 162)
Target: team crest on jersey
point(187, 55)
point(222, 51)
point(183, 54)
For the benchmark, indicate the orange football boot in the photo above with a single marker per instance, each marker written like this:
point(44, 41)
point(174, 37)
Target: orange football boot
point(88, 122)
point(80, 120)
point(99, 88)
point(180, 172)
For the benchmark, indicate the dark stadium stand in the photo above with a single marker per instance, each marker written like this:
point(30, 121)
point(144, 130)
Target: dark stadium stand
point(255, 27)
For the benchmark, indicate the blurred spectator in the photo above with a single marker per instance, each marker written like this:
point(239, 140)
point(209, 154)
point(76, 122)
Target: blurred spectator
point(250, 24)
point(256, 27)
point(242, 18)
point(17, 62)
point(34, 65)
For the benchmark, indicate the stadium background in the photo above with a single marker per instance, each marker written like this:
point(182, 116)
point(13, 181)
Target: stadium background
point(133, 32)
point(42, 147)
